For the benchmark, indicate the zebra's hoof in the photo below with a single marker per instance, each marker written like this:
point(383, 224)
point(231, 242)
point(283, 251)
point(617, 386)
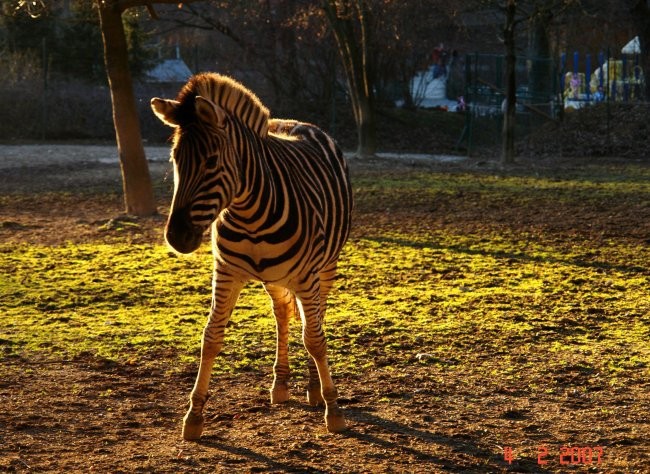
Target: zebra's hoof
point(192, 427)
point(279, 394)
point(314, 396)
point(335, 423)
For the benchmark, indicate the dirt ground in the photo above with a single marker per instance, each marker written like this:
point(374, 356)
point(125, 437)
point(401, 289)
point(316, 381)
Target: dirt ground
point(93, 415)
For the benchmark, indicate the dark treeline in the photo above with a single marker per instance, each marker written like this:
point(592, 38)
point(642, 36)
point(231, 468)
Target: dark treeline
point(285, 50)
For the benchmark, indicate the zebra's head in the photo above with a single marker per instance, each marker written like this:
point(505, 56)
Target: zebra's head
point(206, 176)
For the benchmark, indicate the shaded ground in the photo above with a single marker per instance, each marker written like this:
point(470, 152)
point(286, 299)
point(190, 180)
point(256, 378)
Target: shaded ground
point(89, 414)
point(605, 129)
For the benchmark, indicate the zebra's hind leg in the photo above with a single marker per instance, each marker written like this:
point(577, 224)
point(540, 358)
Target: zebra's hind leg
point(327, 277)
point(224, 296)
point(284, 308)
point(314, 395)
point(316, 345)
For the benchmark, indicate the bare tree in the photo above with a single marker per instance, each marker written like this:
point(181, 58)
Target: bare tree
point(284, 42)
point(508, 151)
point(138, 191)
point(136, 180)
point(640, 12)
point(350, 23)
point(537, 14)
point(293, 44)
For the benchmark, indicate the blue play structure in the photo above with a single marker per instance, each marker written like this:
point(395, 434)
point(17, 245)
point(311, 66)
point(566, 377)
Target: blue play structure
point(614, 78)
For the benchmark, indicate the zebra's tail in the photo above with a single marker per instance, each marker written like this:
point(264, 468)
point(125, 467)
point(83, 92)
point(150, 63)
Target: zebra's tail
point(295, 308)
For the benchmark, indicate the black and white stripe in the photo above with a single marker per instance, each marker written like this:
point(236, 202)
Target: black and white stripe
point(277, 195)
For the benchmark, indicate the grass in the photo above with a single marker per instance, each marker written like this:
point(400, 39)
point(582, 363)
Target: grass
point(481, 298)
point(475, 310)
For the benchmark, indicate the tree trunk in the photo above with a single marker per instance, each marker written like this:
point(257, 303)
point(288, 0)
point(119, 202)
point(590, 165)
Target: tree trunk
point(136, 181)
point(354, 55)
point(641, 14)
point(508, 153)
point(541, 70)
point(366, 129)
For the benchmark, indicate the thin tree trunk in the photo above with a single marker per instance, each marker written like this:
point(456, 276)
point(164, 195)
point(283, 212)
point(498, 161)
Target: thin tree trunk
point(356, 66)
point(508, 153)
point(367, 133)
point(136, 181)
point(541, 71)
point(641, 14)
point(367, 126)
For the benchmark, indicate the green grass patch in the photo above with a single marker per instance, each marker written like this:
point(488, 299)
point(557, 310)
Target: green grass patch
point(500, 301)
point(418, 189)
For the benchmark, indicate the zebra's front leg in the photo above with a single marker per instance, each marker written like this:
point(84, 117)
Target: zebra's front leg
point(224, 296)
point(283, 309)
point(316, 345)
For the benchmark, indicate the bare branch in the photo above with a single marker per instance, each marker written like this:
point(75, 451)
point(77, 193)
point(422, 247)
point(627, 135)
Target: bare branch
point(152, 11)
point(210, 23)
point(126, 4)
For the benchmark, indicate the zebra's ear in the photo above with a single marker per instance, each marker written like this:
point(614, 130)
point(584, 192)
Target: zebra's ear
point(210, 112)
point(165, 110)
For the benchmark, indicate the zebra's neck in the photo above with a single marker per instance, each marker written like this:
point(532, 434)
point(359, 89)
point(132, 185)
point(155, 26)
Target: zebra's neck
point(258, 196)
point(232, 97)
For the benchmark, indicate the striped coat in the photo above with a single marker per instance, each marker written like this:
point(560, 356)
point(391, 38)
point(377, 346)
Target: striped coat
point(277, 195)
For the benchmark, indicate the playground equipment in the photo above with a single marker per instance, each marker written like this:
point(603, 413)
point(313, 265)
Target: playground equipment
point(617, 79)
point(429, 90)
point(429, 87)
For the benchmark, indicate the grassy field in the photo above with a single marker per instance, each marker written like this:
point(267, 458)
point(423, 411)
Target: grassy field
point(532, 286)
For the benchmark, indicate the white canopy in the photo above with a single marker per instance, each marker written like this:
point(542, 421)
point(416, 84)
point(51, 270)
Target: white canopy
point(170, 70)
point(633, 47)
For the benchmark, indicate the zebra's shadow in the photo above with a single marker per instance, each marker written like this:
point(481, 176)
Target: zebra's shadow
point(369, 433)
point(422, 445)
point(413, 440)
point(251, 455)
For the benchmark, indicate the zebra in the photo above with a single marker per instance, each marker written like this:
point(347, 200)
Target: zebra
point(277, 197)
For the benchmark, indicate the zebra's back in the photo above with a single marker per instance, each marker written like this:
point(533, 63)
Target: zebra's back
point(302, 223)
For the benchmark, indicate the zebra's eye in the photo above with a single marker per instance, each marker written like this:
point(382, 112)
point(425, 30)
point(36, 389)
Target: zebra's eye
point(211, 162)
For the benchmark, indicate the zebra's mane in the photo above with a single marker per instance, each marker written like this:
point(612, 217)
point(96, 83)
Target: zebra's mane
point(227, 94)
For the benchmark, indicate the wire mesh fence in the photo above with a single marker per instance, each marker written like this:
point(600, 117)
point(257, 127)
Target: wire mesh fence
point(576, 104)
point(564, 100)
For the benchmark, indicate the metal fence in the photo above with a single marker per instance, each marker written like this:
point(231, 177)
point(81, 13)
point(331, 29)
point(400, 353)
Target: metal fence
point(587, 79)
point(546, 90)
point(538, 97)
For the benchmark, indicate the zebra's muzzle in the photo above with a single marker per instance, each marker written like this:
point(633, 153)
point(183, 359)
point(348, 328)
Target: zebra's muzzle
point(181, 233)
